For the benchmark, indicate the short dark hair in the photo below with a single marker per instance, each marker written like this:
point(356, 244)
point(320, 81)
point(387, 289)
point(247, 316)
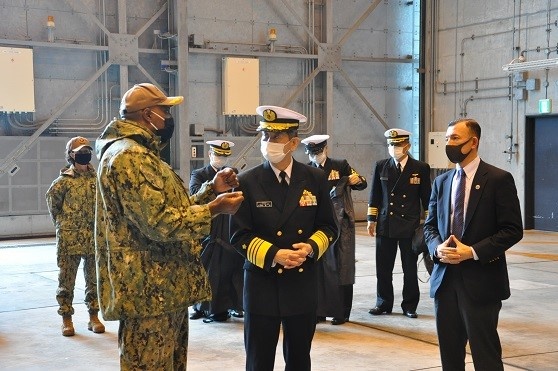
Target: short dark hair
point(472, 124)
point(292, 133)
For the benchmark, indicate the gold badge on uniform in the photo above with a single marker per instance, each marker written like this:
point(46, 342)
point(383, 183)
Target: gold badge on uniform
point(334, 175)
point(415, 179)
point(307, 199)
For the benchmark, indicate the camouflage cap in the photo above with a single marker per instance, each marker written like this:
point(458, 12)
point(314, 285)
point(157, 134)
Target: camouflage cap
point(77, 143)
point(146, 95)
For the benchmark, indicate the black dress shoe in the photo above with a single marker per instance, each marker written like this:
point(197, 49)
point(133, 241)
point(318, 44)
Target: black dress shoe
point(197, 314)
point(320, 319)
point(217, 317)
point(338, 321)
point(237, 313)
point(410, 314)
point(377, 311)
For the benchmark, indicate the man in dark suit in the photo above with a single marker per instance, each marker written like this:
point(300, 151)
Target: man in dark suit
point(474, 217)
point(220, 260)
point(400, 192)
point(336, 270)
point(284, 225)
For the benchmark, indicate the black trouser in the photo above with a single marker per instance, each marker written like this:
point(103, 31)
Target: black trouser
point(459, 319)
point(261, 334)
point(386, 251)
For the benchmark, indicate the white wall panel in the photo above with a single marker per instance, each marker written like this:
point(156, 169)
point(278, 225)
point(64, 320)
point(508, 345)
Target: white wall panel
point(17, 93)
point(240, 85)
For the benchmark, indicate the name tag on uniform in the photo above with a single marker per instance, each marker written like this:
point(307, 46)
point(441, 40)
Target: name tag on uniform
point(264, 204)
point(415, 179)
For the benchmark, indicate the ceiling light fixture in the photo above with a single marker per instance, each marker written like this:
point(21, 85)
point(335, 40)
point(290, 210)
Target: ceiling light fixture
point(531, 65)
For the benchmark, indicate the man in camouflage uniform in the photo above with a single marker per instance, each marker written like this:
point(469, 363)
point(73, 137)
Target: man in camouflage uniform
point(148, 231)
point(71, 202)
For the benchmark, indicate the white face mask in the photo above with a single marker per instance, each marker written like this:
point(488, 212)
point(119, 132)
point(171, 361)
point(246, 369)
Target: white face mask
point(273, 152)
point(318, 159)
point(218, 161)
point(397, 152)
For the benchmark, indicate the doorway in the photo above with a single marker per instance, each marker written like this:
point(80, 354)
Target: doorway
point(541, 173)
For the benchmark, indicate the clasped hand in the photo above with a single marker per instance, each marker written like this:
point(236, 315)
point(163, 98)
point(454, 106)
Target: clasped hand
point(453, 251)
point(293, 258)
point(225, 180)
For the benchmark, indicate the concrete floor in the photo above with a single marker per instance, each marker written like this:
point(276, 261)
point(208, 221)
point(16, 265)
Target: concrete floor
point(30, 336)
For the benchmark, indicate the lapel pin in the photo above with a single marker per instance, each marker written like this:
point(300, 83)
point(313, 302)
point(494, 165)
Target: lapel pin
point(477, 187)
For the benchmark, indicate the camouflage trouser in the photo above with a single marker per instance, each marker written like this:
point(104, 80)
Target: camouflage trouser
point(69, 265)
point(154, 343)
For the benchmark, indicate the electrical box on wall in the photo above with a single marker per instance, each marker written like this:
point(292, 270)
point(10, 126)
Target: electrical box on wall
point(437, 158)
point(241, 86)
point(17, 91)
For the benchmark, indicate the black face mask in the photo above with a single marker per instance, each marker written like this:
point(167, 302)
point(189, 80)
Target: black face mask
point(168, 130)
point(83, 158)
point(454, 152)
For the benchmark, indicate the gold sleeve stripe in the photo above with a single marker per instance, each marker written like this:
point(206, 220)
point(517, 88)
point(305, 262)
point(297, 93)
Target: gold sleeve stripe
point(320, 238)
point(372, 211)
point(257, 249)
point(425, 214)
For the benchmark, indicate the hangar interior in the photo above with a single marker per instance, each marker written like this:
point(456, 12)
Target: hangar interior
point(354, 71)
point(355, 68)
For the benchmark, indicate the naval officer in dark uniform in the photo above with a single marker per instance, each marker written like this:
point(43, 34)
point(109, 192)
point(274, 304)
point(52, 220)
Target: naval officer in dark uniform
point(220, 260)
point(282, 228)
point(336, 273)
point(400, 192)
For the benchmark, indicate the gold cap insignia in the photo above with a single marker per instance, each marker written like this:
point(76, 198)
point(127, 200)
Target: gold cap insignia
point(269, 115)
point(225, 145)
point(393, 133)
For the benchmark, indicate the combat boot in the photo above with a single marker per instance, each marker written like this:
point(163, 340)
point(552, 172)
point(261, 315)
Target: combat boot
point(95, 325)
point(67, 326)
